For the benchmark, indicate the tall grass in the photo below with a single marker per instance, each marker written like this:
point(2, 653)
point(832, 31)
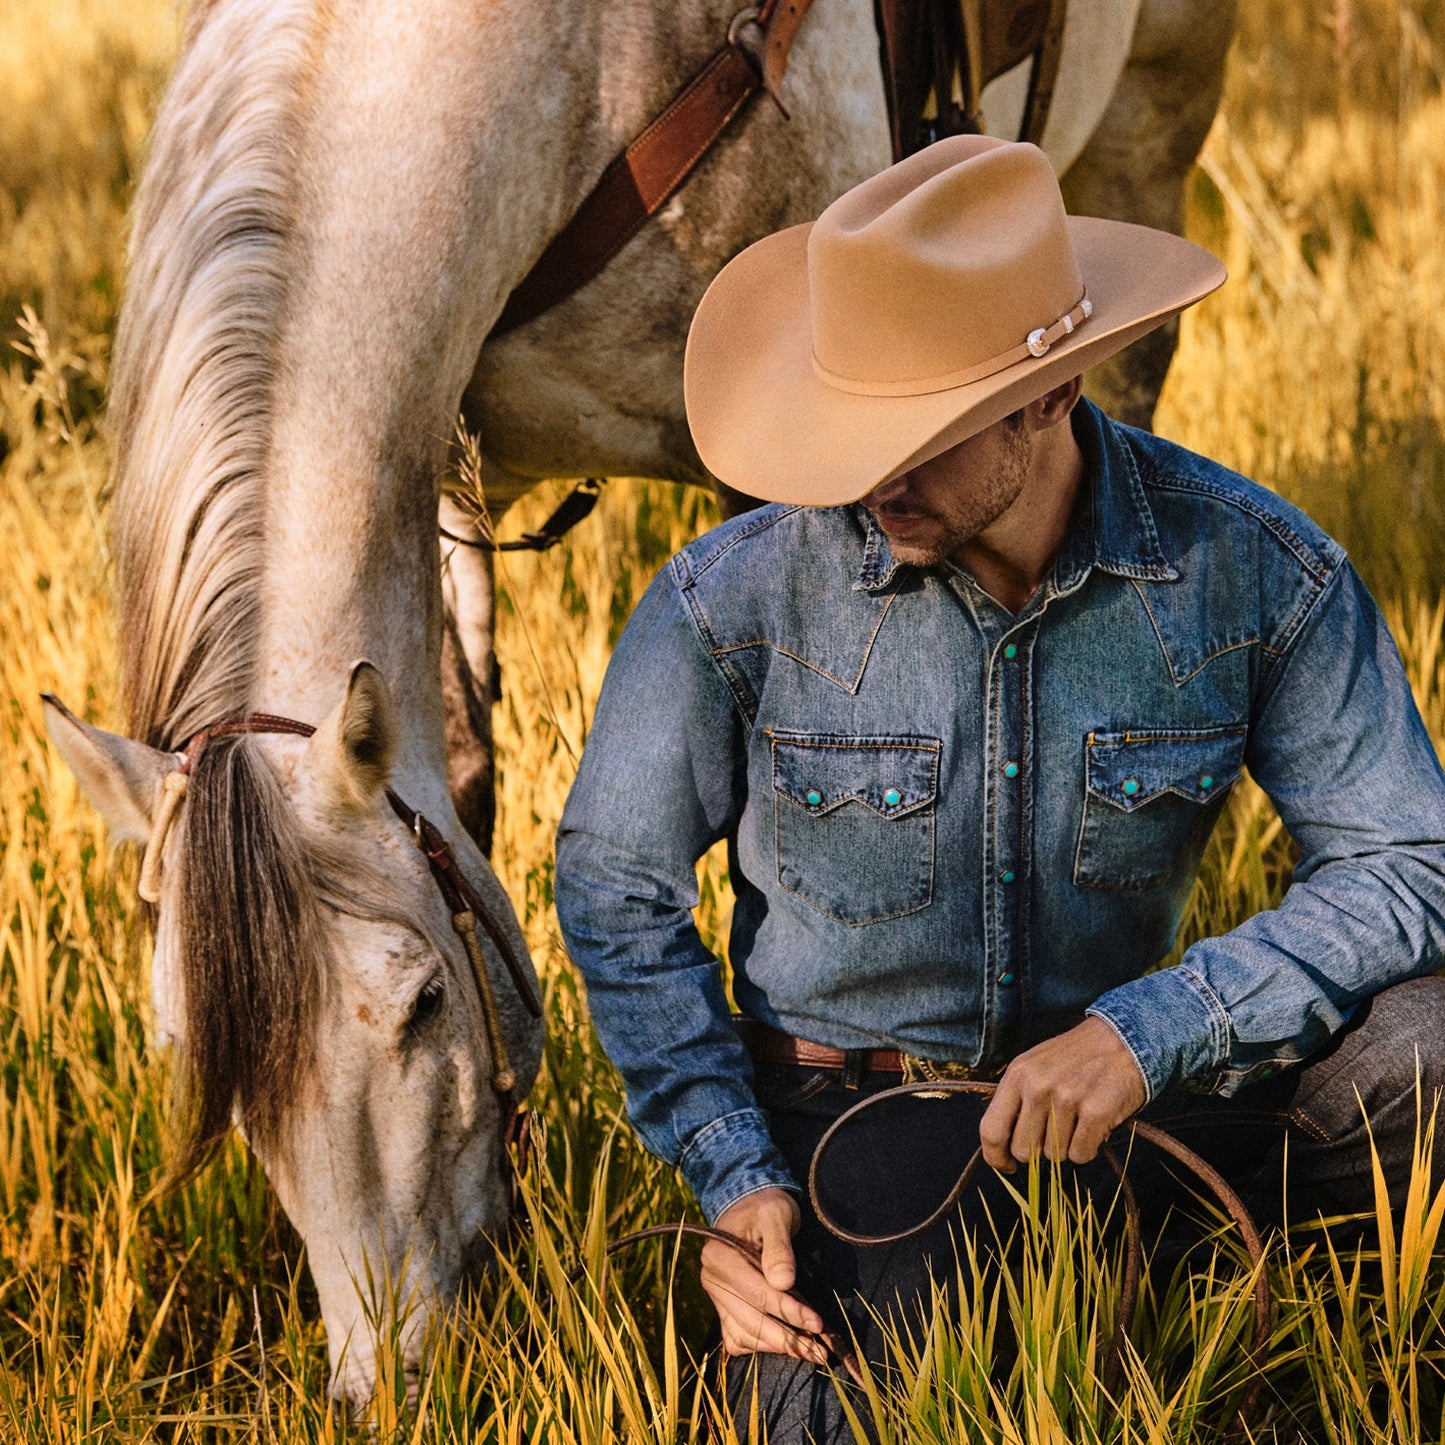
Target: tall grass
point(191, 1318)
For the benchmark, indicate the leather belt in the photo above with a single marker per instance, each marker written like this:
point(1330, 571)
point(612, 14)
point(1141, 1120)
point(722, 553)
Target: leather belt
point(768, 1045)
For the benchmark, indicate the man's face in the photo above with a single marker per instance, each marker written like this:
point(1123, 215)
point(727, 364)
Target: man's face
point(929, 512)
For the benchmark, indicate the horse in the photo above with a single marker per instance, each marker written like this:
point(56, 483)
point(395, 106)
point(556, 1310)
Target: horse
point(337, 202)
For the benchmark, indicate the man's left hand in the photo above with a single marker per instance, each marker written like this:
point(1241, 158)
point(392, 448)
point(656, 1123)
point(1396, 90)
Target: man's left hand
point(1062, 1098)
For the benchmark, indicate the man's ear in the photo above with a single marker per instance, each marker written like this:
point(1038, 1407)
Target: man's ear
point(122, 778)
point(351, 751)
point(1055, 405)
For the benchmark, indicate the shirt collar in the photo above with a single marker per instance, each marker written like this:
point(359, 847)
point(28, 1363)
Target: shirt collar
point(1114, 529)
point(879, 565)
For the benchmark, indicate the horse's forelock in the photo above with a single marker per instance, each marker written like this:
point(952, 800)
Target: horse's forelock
point(251, 953)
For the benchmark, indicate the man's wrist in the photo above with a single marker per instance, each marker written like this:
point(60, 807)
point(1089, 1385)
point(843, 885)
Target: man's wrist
point(1171, 1022)
point(732, 1157)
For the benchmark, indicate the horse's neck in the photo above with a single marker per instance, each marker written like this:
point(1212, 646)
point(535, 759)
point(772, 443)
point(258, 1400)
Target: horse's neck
point(436, 154)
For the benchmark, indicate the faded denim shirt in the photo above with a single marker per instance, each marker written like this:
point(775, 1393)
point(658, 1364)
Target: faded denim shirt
point(956, 830)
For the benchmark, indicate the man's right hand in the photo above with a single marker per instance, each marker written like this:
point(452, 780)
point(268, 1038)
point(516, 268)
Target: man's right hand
point(752, 1300)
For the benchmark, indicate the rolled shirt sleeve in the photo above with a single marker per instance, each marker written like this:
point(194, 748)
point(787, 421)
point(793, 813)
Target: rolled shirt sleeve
point(661, 780)
point(1339, 746)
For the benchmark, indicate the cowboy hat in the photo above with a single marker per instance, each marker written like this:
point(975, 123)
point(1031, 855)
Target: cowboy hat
point(921, 307)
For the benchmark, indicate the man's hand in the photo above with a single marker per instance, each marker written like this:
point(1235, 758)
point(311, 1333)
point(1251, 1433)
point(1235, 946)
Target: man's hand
point(1063, 1098)
point(753, 1302)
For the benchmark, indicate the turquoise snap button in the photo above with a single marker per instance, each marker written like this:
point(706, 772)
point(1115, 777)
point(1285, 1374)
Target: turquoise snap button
point(1206, 782)
point(1010, 770)
point(1006, 980)
point(893, 797)
point(1131, 786)
point(814, 797)
point(1010, 652)
point(1007, 876)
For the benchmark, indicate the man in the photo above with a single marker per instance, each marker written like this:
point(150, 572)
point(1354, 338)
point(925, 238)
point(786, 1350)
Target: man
point(967, 708)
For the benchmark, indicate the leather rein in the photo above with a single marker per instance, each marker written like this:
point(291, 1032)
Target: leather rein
point(1112, 1375)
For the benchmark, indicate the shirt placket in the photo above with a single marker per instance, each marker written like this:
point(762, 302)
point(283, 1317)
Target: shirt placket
point(1009, 790)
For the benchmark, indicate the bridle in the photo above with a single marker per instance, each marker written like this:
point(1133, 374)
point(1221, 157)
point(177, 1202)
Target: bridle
point(467, 908)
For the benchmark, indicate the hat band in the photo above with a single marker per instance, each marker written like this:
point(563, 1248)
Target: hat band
point(1037, 344)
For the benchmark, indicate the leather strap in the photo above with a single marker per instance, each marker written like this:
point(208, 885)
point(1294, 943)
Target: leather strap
point(1205, 1172)
point(460, 896)
point(768, 1045)
point(1044, 75)
point(926, 44)
point(639, 181)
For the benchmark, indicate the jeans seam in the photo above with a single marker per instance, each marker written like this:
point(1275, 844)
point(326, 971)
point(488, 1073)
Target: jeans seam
point(1299, 1117)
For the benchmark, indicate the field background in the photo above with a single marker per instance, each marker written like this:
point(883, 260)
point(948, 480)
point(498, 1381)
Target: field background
point(1318, 369)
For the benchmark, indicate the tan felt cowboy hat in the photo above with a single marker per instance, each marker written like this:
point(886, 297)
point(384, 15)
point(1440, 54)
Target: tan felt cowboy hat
point(919, 308)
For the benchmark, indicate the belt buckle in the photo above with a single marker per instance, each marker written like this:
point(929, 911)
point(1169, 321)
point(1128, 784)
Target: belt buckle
point(918, 1070)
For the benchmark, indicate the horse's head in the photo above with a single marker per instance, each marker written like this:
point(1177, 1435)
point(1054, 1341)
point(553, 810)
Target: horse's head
point(309, 973)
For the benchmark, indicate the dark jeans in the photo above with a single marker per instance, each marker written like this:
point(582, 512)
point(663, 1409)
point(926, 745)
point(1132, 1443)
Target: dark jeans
point(896, 1165)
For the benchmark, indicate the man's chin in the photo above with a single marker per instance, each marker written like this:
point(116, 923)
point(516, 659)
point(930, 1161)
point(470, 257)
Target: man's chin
point(915, 554)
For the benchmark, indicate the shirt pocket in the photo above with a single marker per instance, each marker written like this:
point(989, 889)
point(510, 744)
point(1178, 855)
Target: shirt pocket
point(855, 822)
point(1151, 797)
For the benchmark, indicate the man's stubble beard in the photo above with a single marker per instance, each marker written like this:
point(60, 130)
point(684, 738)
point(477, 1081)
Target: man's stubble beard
point(978, 503)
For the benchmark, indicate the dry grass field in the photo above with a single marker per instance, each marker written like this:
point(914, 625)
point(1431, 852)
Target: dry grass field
point(1318, 369)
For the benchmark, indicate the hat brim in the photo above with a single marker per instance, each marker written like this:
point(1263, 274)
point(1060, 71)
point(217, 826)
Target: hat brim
point(767, 425)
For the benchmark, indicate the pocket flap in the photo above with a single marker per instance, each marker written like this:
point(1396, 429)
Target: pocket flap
point(1129, 769)
point(894, 776)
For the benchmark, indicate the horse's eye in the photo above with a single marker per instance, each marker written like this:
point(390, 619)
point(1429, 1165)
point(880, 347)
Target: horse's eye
point(428, 1004)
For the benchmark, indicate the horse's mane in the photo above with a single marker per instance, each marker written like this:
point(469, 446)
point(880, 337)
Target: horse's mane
point(190, 415)
point(191, 405)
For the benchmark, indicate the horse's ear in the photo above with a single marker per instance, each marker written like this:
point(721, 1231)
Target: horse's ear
point(352, 750)
point(121, 777)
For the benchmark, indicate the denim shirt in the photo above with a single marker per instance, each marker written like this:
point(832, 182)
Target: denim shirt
point(956, 830)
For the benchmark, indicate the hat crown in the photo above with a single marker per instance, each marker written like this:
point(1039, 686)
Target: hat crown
point(940, 264)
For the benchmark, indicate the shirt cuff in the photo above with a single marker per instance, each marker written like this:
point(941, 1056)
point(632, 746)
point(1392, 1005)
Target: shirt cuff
point(1173, 1024)
point(732, 1157)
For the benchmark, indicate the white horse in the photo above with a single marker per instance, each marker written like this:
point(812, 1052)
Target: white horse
point(337, 203)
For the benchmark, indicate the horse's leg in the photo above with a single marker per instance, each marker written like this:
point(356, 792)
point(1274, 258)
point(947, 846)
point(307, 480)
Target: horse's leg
point(469, 679)
point(1135, 164)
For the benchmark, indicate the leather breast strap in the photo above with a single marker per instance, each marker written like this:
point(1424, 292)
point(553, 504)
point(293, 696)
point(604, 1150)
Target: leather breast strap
point(639, 181)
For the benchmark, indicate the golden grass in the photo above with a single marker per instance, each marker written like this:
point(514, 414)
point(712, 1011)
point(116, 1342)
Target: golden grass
point(1316, 369)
